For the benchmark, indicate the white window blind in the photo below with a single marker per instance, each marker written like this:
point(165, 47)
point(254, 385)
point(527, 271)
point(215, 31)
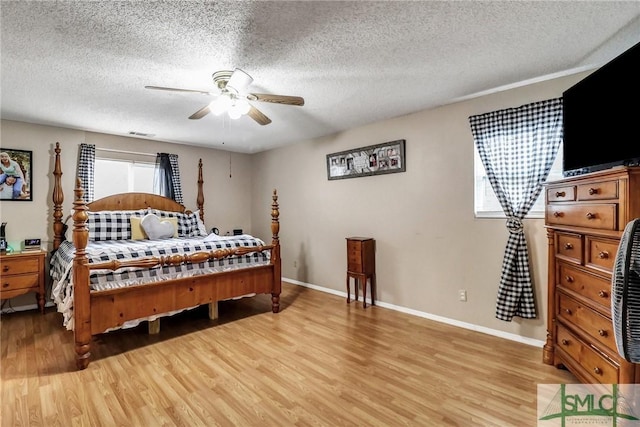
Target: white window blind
point(486, 204)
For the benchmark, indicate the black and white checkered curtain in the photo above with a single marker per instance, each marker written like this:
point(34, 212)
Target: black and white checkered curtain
point(517, 147)
point(166, 179)
point(86, 169)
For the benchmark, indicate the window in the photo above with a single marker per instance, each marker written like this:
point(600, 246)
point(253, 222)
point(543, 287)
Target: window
point(120, 176)
point(486, 204)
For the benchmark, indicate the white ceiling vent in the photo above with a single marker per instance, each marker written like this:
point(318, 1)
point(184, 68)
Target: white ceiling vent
point(147, 135)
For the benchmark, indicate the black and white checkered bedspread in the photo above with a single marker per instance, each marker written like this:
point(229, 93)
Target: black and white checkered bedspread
point(100, 251)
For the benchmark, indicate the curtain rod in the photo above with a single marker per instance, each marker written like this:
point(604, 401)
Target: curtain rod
point(110, 150)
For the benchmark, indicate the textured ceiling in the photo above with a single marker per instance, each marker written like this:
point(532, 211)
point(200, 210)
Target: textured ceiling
point(85, 64)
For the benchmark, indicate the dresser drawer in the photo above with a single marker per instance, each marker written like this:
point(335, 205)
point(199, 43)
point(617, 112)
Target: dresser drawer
point(22, 281)
point(600, 368)
point(354, 255)
point(569, 247)
point(561, 194)
point(605, 190)
point(601, 253)
point(354, 265)
point(19, 265)
point(354, 247)
point(595, 324)
point(589, 215)
point(588, 285)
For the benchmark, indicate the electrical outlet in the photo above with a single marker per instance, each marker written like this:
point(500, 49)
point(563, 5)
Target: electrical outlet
point(295, 264)
point(462, 295)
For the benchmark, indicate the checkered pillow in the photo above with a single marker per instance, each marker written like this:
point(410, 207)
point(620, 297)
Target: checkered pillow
point(187, 223)
point(111, 225)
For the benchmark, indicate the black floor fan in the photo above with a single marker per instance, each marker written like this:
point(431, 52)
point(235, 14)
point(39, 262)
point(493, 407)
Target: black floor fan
point(625, 293)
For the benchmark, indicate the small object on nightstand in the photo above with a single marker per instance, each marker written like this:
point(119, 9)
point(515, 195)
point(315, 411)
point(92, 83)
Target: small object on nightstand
point(361, 265)
point(22, 273)
point(3, 239)
point(31, 245)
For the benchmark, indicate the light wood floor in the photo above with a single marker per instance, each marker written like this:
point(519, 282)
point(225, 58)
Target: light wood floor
point(319, 362)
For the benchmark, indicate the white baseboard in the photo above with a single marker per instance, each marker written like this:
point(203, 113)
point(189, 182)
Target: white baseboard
point(453, 322)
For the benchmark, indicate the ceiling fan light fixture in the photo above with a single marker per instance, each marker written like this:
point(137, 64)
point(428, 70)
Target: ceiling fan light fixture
point(234, 114)
point(242, 106)
point(232, 97)
point(239, 80)
point(220, 104)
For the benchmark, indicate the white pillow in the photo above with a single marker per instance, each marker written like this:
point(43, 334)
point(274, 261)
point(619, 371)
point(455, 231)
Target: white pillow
point(201, 227)
point(156, 229)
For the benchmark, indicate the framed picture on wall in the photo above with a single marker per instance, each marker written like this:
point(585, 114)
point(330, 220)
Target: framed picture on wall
point(15, 175)
point(378, 159)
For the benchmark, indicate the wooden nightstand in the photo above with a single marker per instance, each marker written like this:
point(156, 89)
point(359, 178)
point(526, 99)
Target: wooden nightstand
point(361, 265)
point(22, 272)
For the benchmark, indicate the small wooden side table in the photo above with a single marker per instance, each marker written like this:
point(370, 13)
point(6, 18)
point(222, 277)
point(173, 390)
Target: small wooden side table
point(23, 272)
point(361, 265)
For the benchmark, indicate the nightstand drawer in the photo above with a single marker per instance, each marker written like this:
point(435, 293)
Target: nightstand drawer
point(21, 273)
point(22, 281)
point(19, 265)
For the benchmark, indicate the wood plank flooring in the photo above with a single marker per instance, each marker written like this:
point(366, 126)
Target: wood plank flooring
point(319, 362)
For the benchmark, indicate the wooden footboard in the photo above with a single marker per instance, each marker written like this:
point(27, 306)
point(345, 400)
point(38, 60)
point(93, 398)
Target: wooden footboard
point(97, 311)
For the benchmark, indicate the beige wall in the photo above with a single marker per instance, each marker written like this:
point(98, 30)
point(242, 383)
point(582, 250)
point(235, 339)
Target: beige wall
point(227, 199)
point(429, 244)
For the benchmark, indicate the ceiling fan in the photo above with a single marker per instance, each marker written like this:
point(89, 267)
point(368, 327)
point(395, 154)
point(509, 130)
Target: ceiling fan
point(232, 96)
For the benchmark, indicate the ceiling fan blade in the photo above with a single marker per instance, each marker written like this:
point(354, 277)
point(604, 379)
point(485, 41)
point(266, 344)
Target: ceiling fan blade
point(200, 113)
point(239, 80)
point(277, 99)
point(173, 89)
point(257, 115)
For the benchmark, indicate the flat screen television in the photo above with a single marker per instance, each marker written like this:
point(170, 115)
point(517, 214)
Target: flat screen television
point(601, 117)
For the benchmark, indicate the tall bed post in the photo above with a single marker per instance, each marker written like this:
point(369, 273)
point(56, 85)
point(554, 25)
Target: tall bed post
point(200, 199)
point(81, 292)
point(58, 199)
point(275, 254)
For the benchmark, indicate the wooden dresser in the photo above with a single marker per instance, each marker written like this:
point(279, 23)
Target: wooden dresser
point(23, 272)
point(361, 266)
point(585, 217)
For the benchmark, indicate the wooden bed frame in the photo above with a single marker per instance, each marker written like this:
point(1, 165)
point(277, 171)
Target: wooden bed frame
point(96, 311)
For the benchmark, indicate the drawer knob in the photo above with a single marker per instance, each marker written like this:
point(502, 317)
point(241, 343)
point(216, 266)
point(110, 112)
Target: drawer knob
point(593, 191)
point(590, 215)
point(5, 268)
point(602, 332)
point(603, 255)
point(567, 310)
point(603, 294)
point(565, 342)
point(569, 279)
point(557, 214)
point(5, 285)
point(560, 194)
point(568, 246)
point(597, 371)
